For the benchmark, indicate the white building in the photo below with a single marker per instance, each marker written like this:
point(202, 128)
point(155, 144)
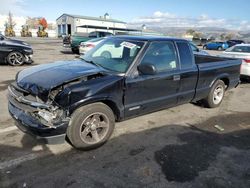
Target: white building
point(70, 24)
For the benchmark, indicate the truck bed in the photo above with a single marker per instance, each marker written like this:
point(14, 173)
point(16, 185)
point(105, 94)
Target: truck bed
point(208, 59)
point(212, 68)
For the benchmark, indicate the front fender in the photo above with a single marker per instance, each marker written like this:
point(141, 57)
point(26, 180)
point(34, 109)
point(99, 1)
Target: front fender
point(116, 106)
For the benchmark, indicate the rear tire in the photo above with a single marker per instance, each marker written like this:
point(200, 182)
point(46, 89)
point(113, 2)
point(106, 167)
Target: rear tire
point(205, 47)
point(75, 51)
point(220, 48)
point(91, 126)
point(215, 95)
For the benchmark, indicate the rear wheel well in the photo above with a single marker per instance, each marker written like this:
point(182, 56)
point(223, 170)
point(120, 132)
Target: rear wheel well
point(226, 81)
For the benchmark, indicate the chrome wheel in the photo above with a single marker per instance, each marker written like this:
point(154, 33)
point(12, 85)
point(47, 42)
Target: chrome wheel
point(218, 94)
point(94, 128)
point(15, 58)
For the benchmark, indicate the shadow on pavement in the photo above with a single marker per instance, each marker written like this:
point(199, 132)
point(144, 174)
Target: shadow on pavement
point(170, 156)
point(4, 85)
point(66, 52)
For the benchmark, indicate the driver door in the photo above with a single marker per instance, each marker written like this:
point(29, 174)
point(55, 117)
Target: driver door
point(147, 93)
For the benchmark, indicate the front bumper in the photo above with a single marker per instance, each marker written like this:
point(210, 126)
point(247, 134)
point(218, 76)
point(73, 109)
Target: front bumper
point(28, 59)
point(28, 124)
point(67, 45)
point(23, 111)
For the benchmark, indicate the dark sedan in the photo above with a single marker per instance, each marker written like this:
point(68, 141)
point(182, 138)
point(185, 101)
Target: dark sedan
point(235, 42)
point(14, 52)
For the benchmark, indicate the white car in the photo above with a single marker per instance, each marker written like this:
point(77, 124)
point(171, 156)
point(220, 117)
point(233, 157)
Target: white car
point(240, 51)
point(88, 45)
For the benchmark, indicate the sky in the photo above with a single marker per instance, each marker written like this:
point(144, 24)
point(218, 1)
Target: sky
point(230, 14)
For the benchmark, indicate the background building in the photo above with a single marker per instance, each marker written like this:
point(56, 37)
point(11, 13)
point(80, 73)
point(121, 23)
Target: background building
point(70, 24)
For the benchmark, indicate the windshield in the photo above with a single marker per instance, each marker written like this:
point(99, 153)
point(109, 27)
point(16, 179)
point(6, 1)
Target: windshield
point(241, 49)
point(114, 54)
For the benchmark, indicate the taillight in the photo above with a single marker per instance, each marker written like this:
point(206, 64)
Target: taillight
point(90, 45)
point(246, 60)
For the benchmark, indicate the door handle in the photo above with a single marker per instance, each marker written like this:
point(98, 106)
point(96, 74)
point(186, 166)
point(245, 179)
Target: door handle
point(176, 77)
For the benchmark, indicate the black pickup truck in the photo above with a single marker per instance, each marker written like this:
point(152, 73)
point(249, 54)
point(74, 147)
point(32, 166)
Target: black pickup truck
point(120, 78)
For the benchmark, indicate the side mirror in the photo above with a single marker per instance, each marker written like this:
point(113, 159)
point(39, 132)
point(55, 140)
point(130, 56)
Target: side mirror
point(147, 69)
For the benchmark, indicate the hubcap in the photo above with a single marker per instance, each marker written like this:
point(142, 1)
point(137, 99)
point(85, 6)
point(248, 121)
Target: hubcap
point(218, 94)
point(94, 128)
point(16, 58)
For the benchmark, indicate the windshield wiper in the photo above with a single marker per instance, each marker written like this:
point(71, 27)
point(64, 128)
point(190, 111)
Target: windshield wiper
point(91, 62)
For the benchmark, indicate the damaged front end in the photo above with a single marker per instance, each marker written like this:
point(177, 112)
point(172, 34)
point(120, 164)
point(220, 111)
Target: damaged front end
point(45, 115)
point(43, 119)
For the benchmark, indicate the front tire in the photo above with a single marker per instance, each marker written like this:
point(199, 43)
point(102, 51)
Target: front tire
point(91, 126)
point(205, 47)
point(15, 58)
point(216, 94)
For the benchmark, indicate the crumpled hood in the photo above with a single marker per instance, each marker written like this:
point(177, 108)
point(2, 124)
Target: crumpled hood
point(39, 80)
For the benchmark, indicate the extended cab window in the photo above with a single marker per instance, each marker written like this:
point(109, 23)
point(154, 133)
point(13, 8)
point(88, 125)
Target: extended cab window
point(162, 55)
point(186, 56)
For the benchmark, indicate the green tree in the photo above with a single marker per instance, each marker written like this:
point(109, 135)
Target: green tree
point(197, 35)
point(190, 31)
point(222, 36)
point(229, 36)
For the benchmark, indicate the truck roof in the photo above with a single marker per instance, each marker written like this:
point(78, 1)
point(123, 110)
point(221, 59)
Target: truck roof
point(148, 38)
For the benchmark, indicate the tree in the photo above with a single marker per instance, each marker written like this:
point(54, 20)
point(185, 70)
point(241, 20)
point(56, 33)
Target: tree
point(222, 36)
point(229, 36)
point(197, 35)
point(190, 32)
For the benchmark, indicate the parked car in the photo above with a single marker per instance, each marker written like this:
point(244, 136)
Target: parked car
point(84, 98)
point(14, 52)
point(88, 45)
point(197, 51)
point(200, 41)
point(234, 42)
point(66, 41)
point(216, 46)
point(77, 38)
point(240, 51)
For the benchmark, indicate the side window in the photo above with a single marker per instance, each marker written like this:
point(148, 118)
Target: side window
point(162, 55)
point(186, 56)
point(194, 48)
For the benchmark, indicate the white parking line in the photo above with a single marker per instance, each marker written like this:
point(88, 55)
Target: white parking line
point(17, 161)
point(8, 129)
